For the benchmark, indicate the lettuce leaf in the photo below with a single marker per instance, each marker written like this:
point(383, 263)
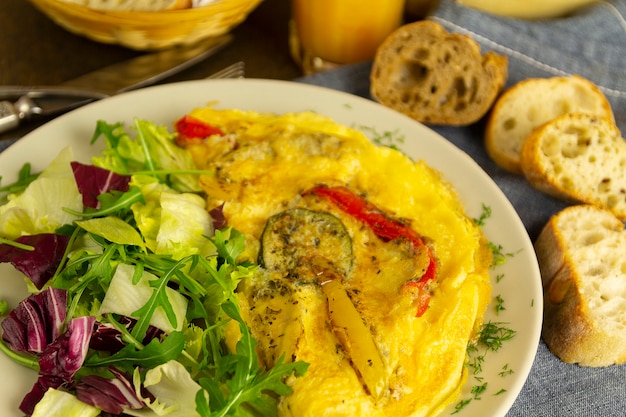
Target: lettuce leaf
point(113, 229)
point(60, 403)
point(171, 222)
point(174, 392)
point(152, 150)
point(40, 208)
point(125, 297)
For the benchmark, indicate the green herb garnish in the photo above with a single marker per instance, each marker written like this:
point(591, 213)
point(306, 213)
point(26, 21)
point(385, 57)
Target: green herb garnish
point(484, 215)
point(390, 139)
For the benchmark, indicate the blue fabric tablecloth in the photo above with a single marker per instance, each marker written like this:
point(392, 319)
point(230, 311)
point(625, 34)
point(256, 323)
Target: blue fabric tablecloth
point(591, 43)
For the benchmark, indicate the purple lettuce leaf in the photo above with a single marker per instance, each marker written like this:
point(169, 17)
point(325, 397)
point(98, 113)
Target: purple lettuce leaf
point(30, 400)
point(110, 395)
point(217, 214)
point(106, 337)
point(60, 361)
point(41, 263)
point(93, 181)
point(65, 356)
point(36, 322)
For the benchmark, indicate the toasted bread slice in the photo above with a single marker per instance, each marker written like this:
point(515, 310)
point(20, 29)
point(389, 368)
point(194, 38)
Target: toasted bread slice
point(578, 157)
point(436, 77)
point(583, 269)
point(531, 103)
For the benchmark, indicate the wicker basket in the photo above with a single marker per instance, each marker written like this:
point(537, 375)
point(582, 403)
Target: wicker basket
point(148, 30)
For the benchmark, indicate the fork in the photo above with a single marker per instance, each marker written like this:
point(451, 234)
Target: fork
point(12, 113)
point(236, 70)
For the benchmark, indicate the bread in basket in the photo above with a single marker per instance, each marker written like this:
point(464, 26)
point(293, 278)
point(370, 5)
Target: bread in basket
point(144, 30)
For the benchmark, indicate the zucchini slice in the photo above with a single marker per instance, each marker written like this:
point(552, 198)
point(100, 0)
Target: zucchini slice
point(293, 235)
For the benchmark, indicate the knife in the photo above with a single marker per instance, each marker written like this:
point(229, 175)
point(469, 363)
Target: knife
point(23, 103)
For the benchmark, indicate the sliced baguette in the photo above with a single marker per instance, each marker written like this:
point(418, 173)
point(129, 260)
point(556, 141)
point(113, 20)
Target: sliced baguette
point(581, 257)
point(531, 103)
point(578, 157)
point(134, 5)
point(436, 77)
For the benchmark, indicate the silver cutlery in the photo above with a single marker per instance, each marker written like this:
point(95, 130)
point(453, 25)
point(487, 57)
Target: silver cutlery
point(19, 104)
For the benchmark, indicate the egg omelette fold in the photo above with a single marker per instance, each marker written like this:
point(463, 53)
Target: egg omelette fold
point(331, 290)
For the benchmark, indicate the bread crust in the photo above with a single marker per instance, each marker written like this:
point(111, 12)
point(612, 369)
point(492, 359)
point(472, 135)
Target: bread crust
point(436, 77)
point(135, 5)
point(584, 298)
point(529, 104)
point(578, 158)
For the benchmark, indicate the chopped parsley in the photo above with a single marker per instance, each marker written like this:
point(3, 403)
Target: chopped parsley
point(499, 257)
point(490, 338)
point(492, 334)
point(499, 304)
point(390, 139)
point(484, 215)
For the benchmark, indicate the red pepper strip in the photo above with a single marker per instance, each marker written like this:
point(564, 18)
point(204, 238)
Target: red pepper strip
point(420, 293)
point(384, 227)
point(191, 130)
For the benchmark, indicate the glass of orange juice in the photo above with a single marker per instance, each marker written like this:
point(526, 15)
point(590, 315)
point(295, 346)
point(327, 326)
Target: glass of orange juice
point(328, 33)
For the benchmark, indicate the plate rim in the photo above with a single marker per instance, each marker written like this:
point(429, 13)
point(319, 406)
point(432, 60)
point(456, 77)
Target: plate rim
point(278, 86)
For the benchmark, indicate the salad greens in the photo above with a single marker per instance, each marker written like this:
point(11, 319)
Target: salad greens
point(133, 307)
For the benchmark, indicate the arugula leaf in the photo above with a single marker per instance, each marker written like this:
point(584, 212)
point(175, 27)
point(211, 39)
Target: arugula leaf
point(229, 243)
point(159, 298)
point(24, 178)
point(153, 354)
point(113, 202)
point(239, 383)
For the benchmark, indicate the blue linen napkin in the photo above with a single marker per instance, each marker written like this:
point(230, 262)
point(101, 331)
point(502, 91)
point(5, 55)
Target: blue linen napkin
point(6, 143)
point(590, 43)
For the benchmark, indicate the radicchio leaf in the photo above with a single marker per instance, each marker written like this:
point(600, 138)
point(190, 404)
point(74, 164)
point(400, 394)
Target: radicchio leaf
point(110, 395)
point(65, 356)
point(109, 339)
point(106, 338)
point(217, 214)
point(30, 400)
point(41, 263)
point(36, 322)
point(60, 360)
point(93, 181)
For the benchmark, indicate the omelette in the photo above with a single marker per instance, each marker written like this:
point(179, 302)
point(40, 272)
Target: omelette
point(369, 269)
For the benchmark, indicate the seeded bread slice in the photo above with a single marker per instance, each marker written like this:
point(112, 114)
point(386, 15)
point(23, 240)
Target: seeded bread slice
point(436, 77)
point(581, 158)
point(531, 103)
point(581, 257)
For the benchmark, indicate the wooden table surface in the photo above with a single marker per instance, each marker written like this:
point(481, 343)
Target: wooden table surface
point(36, 51)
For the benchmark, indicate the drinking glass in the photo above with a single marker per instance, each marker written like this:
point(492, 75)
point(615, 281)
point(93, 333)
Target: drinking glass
point(328, 33)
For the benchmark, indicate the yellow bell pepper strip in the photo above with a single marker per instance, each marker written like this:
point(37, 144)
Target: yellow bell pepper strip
point(348, 326)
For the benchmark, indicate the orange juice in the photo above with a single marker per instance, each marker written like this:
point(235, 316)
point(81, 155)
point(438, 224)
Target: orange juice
point(344, 31)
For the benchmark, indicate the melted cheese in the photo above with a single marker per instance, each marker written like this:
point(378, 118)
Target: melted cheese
point(260, 168)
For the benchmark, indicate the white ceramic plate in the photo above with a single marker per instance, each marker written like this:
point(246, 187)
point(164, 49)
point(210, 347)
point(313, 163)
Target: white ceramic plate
point(505, 371)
